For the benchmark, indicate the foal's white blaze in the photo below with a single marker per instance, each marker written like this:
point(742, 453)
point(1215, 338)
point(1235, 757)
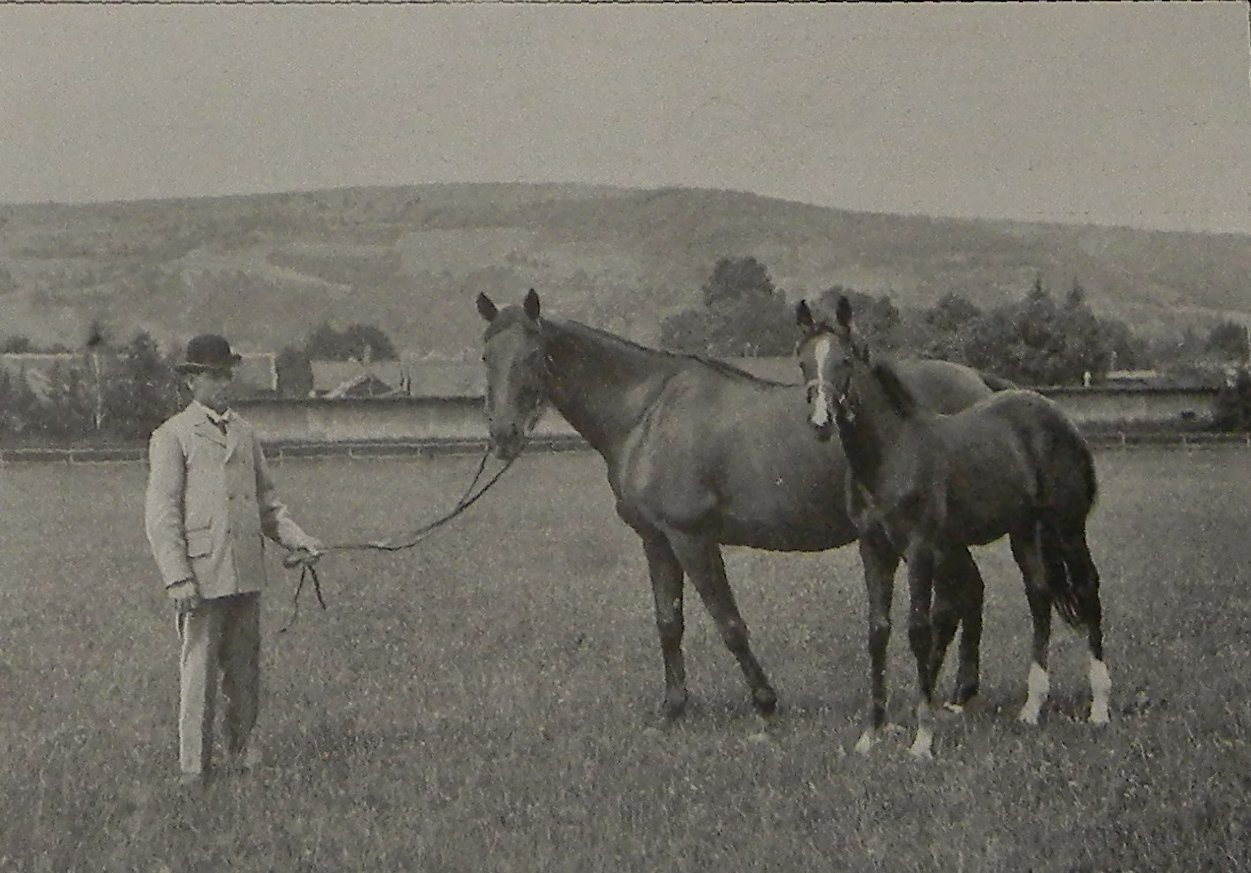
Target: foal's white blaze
point(1100, 690)
point(820, 415)
point(1039, 685)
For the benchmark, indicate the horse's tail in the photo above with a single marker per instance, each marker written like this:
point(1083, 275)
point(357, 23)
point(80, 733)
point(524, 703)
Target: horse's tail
point(996, 383)
point(1070, 572)
point(1064, 596)
point(1071, 575)
point(1088, 474)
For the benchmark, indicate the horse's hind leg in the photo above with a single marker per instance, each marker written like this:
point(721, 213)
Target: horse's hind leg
point(921, 637)
point(959, 589)
point(666, 575)
point(702, 561)
point(880, 561)
point(1027, 550)
point(1084, 577)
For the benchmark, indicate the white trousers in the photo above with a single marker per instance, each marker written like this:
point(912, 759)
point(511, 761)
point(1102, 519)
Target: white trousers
point(222, 637)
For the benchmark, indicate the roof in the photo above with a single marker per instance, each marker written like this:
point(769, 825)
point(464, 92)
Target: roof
point(37, 368)
point(412, 375)
point(256, 371)
point(430, 376)
point(339, 378)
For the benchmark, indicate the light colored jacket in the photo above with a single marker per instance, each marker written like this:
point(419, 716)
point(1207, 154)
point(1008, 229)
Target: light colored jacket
point(210, 504)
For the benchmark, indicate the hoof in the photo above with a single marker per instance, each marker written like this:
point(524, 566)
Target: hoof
point(1028, 716)
point(766, 703)
point(672, 710)
point(923, 746)
point(864, 745)
point(759, 737)
point(1099, 719)
point(954, 708)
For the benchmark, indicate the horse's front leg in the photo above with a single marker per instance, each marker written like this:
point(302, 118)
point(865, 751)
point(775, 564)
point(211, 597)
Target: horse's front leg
point(880, 561)
point(921, 637)
point(959, 577)
point(702, 561)
point(666, 576)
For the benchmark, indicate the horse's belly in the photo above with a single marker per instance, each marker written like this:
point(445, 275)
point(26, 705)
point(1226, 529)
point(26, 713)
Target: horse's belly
point(975, 519)
point(784, 533)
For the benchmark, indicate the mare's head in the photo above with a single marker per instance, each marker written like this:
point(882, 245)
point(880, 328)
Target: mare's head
point(516, 367)
point(828, 352)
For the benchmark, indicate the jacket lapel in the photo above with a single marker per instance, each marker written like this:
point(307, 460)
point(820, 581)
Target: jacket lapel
point(202, 427)
point(232, 437)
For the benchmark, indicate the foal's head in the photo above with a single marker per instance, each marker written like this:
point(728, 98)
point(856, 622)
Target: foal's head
point(827, 354)
point(516, 365)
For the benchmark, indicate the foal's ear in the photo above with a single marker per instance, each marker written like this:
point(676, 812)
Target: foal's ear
point(531, 305)
point(843, 312)
point(803, 315)
point(486, 308)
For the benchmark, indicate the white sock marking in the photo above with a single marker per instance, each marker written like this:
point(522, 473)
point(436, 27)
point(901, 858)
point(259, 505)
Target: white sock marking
point(1039, 685)
point(1100, 691)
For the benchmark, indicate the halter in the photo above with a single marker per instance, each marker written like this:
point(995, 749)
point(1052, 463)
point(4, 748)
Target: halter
point(530, 411)
point(840, 394)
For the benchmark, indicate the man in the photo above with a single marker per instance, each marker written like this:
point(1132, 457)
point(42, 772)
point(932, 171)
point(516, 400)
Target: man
point(210, 502)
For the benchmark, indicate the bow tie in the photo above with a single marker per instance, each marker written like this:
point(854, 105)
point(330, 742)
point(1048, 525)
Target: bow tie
point(220, 421)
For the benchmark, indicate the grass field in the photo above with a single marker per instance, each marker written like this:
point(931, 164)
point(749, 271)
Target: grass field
point(480, 703)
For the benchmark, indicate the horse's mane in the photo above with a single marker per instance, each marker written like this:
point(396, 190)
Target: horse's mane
point(897, 394)
point(721, 367)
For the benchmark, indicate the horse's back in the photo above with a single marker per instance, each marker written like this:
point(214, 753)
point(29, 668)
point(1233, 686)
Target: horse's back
point(1020, 432)
point(942, 386)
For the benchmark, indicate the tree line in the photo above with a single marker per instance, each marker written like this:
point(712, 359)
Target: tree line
point(110, 392)
point(122, 391)
point(1035, 339)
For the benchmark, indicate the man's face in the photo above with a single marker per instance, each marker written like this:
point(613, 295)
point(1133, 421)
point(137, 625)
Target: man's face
point(211, 387)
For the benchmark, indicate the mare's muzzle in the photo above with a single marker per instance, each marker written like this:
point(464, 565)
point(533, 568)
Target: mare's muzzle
point(507, 440)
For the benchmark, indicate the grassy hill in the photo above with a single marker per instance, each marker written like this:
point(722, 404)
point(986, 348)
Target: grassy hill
point(266, 268)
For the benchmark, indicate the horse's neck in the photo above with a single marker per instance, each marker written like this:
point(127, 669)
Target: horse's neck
point(602, 387)
point(870, 440)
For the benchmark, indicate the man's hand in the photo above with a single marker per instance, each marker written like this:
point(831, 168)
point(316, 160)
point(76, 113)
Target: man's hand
point(185, 596)
point(306, 554)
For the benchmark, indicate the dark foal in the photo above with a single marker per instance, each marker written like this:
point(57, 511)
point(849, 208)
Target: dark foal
point(1012, 464)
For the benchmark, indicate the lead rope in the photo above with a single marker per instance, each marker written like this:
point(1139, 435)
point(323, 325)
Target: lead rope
point(307, 562)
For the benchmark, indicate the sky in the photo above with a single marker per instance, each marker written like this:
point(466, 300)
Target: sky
point(1117, 113)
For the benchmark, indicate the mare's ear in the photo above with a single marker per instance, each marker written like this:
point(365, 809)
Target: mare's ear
point(843, 312)
point(486, 308)
point(803, 315)
point(531, 305)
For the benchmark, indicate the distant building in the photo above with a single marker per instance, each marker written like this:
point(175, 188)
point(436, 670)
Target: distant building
point(334, 379)
point(412, 375)
point(256, 374)
point(433, 375)
point(1131, 379)
point(40, 370)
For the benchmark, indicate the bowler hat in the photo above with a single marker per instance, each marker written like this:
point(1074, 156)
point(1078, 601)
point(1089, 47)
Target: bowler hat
point(208, 351)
